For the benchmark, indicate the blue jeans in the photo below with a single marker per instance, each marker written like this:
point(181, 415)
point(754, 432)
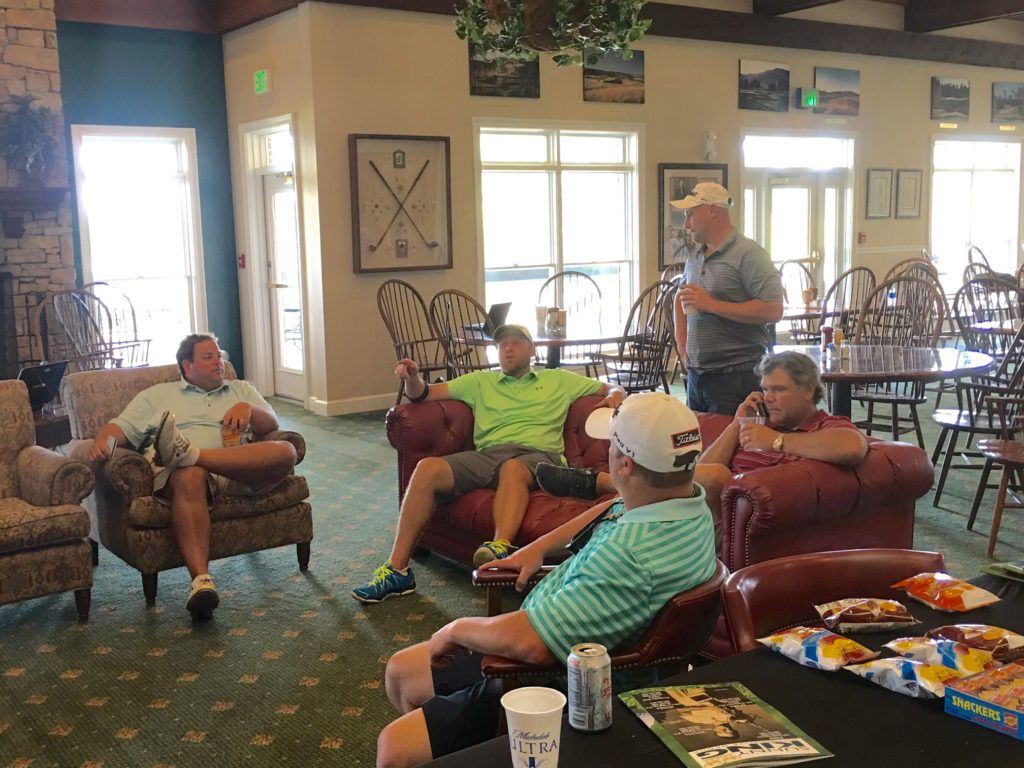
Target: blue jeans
point(715, 392)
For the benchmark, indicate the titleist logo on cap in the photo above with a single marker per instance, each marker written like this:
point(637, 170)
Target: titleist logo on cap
point(682, 439)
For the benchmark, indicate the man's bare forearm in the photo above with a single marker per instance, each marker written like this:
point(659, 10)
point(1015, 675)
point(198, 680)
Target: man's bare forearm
point(263, 420)
point(510, 635)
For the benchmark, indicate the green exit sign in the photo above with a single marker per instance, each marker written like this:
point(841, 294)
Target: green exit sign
point(806, 98)
point(261, 81)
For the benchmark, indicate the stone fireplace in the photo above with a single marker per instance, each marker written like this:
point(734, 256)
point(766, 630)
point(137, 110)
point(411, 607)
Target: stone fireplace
point(36, 252)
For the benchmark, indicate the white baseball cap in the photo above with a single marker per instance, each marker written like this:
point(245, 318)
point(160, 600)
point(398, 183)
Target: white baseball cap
point(654, 429)
point(705, 193)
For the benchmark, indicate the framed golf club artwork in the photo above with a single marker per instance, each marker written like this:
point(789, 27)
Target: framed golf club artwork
point(401, 202)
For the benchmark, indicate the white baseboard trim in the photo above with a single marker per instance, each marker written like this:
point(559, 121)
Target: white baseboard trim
point(350, 404)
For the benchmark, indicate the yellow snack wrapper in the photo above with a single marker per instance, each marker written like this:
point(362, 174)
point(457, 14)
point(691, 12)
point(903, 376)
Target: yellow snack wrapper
point(942, 591)
point(909, 677)
point(948, 653)
point(817, 648)
point(1004, 644)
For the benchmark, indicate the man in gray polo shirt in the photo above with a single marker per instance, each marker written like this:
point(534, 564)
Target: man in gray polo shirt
point(723, 311)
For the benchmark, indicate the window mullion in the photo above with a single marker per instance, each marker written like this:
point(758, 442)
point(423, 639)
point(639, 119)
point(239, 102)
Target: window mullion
point(556, 201)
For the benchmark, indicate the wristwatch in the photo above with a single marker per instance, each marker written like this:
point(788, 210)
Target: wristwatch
point(777, 442)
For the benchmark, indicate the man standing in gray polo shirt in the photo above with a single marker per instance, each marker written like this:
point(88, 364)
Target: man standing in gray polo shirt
point(723, 311)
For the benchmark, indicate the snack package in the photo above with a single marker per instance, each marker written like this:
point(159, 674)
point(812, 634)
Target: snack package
point(817, 648)
point(909, 677)
point(1003, 644)
point(864, 614)
point(942, 591)
point(948, 653)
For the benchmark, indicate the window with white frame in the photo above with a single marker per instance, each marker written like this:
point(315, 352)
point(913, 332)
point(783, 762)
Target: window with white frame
point(138, 207)
point(555, 199)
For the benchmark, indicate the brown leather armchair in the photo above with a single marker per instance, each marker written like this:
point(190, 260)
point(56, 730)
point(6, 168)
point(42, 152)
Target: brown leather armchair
point(777, 594)
point(136, 525)
point(675, 636)
point(44, 531)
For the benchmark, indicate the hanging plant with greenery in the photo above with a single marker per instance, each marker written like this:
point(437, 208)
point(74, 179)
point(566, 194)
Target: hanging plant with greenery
point(574, 30)
point(26, 142)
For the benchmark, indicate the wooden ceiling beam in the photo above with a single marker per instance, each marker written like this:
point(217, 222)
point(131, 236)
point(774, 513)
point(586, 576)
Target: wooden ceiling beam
point(679, 21)
point(694, 23)
point(779, 7)
point(931, 15)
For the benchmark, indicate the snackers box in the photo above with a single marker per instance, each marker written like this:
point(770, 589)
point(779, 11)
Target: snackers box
point(994, 699)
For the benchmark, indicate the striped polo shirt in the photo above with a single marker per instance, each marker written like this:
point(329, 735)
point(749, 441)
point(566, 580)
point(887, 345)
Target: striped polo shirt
point(739, 271)
point(633, 564)
point(747, 461)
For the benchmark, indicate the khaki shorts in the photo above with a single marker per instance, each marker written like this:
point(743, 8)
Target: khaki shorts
point(218, 484)
point(479, 469)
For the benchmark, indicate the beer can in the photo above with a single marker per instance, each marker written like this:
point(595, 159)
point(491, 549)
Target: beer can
point(590, 688)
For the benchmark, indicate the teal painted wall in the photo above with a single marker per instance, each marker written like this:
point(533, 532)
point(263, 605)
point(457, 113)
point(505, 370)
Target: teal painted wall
point(140, 77)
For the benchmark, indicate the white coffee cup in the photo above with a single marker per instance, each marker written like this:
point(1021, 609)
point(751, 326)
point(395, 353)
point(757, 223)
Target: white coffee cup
point(534, 718)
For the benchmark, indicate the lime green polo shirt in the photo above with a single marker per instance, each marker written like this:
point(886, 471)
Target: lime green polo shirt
point(526, 411)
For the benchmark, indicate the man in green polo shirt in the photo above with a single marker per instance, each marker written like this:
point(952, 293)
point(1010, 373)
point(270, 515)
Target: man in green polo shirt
point(630, 557)
point(518, 418)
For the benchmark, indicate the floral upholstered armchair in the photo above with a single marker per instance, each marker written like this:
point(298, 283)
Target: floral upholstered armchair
point(44, 531)
point(134, 524)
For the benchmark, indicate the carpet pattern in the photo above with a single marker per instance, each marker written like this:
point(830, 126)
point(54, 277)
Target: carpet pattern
point(290, 672)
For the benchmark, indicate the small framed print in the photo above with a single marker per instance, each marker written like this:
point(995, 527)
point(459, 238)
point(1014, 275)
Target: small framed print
point(908, 193)
point(879, 203)
point(676, 181)
point(401, 202)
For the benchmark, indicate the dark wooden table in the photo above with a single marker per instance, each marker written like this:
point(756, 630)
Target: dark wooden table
point(878, 364)
point(860, 723)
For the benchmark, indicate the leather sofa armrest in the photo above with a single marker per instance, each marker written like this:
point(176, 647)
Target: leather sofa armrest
point(432, 428)
point(47, 479)
point(501, 667)
point(298, 441)
point(799, 494)
point(495, 579)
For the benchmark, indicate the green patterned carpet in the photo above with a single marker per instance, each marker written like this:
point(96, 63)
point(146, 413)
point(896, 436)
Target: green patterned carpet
point(291, 670)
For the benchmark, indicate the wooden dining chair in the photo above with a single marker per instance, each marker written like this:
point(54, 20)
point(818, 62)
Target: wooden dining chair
point(797, 280)
point(977, 256)
point(641, 362)
point(1007, 452)
point(459, 320)
point(975, 415)
point(673, 271)
point(843, 300)
point(405, 317)
point(580, 296)
point(974, 269)
point(914, 263)
point(901, 312)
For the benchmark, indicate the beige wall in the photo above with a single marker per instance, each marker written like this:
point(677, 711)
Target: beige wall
point(374, 71)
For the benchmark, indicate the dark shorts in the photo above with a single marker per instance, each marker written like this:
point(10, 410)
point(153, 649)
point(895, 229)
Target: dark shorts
point(715, 392)
point(479, 469)
point(465, 709)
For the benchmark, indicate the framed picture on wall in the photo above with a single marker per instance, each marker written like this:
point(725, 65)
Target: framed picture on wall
point(401, 202)
point(908, 193)
point(676, 181)
point(879, 205)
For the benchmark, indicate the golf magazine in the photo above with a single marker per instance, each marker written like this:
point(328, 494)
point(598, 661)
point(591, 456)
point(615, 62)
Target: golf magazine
point(721, 725)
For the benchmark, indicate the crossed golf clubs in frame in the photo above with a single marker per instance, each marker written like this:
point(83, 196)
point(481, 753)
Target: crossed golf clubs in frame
point(401, 206)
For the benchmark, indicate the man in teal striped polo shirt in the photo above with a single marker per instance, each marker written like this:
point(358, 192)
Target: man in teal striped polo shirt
point(518, 420)
point(632, 555)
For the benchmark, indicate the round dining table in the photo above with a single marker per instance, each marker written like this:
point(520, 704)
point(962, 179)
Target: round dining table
point(879, 364)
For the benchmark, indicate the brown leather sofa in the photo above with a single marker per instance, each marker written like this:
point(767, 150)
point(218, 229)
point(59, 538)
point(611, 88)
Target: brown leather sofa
point(802, 506)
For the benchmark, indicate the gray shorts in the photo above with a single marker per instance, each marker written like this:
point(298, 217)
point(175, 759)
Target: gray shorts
point(479, 469)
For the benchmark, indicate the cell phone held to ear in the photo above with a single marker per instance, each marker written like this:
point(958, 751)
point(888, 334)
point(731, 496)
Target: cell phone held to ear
point(762, 410)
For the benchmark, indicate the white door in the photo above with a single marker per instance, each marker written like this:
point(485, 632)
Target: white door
point(802, 220)
point(285, 285)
